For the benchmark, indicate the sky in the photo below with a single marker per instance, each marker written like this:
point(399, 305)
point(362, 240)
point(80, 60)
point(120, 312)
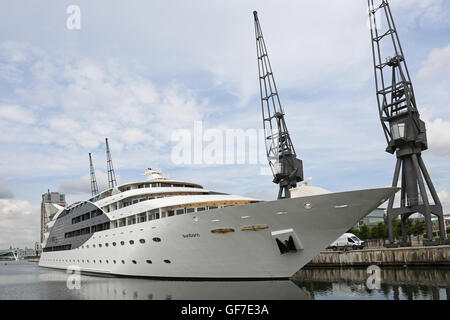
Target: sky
point(139, 71)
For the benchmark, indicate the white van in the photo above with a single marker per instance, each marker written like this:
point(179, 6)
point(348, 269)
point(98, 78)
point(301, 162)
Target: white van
point(347, 240)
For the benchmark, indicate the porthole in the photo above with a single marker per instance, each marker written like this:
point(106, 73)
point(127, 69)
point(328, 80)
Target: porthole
point(87, 261)
point(82, 261)
point(141, 240)
point(122, 242)
point(93, 245)
point(134, 261)
point(106, 244)
point(114, 244)
point(94, 261)
point(156, 239)
point(149, 261)
point(114, 261)
point(167, 261)
point(87, 247)
point(99, 245)
point(99, 261)
point(131, 241)
point(107, 261)
point(123, 262)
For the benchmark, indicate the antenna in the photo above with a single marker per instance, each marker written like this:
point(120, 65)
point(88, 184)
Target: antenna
point(94, 187)
point(287, 170)
point(405, 132)
point(111, 175)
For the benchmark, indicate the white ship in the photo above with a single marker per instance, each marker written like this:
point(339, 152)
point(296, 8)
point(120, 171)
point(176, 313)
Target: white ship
point(164, 228)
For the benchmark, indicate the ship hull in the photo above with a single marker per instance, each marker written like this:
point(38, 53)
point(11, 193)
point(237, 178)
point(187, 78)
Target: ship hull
point(265, 240)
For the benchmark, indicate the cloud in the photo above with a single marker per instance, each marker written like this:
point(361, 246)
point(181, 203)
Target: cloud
point(436, 64)
point(82, 185)
point(438, 132)
point(19, 223)
point(5, 193)
point(444, 196)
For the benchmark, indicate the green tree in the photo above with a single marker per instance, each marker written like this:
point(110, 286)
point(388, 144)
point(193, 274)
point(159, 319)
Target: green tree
point(380, 231)
point(364, 232)
point(397, 228)
point(418, 227)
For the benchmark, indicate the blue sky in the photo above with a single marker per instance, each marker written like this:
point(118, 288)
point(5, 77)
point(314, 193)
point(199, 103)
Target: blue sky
point(138, 70)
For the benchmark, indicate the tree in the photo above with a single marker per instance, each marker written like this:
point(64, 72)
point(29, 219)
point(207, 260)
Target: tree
point(364, 232)
point(418, 228)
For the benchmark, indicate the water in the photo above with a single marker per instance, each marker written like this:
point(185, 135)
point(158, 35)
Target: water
point(26, 280)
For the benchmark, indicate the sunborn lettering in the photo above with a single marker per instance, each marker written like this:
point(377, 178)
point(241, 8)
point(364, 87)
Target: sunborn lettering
point(191, 235)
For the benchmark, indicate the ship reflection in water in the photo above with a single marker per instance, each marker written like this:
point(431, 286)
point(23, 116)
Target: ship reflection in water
point(395, 283)
point(25, 280)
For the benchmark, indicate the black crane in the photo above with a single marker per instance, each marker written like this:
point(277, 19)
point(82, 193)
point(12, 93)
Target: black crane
point(94, 186)
point(286, 168)
point(111, 175)
point(405, 132)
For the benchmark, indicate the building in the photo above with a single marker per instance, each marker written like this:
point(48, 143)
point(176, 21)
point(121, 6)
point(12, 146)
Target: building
point(373, 218)
point(48, 208)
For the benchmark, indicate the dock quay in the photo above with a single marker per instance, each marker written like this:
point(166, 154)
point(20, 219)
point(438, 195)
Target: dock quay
point(409, 256)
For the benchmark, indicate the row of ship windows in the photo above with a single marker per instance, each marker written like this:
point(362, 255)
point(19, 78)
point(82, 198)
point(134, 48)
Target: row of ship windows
point(139, 218)
point(156, 239)
point(120, 205)
point(87, 216)
point(155, 214)
point(100, 261)
point(68, 246)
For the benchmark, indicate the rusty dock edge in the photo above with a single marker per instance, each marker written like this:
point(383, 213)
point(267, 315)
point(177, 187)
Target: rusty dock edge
point(411, 256)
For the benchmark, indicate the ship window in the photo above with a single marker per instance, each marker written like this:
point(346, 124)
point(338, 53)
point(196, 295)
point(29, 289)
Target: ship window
point(135, 201)
point(114, 244)
point(141, 240)
point(99, 245)
point(149, 261)
point(122, 222)
point(122, 242)
point(171, 213)
point(212, 207)
point(87, 261)
point(131, 241)
point(167, 261)
point(99, 261)
point(180, 211)
point(114, 261)
point(123, 262)
point(156, 239)
point(200, 209)
point(93, 245)
point(147, 185)
point(134, 261)
point(107, 261)
point(189, 210)
point(142, 217)
point(107, 244)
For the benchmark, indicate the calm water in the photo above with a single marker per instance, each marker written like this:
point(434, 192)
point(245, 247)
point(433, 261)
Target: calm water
point(26, 280)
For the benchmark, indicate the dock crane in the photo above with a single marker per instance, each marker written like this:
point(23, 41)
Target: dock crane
point(94, 186)
point(111, 175)
point(286, 168)
point(405, 132)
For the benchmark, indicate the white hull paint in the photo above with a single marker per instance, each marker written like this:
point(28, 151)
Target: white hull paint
point(194, 252)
